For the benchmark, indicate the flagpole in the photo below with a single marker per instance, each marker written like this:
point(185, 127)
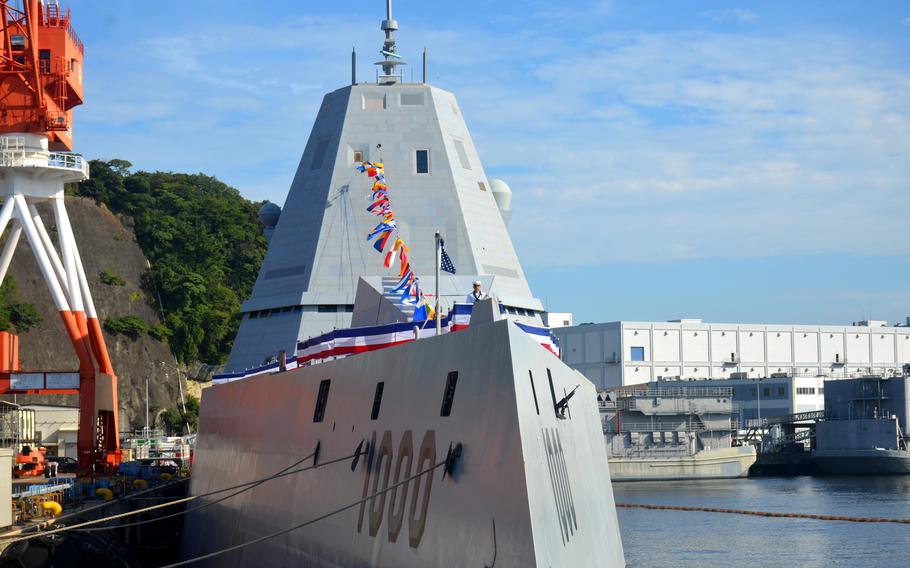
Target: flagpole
point(438, 261)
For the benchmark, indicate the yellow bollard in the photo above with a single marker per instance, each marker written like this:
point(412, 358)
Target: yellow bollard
point(141, 483)
point(53, 507)
point(166, 476)
point(104, 493)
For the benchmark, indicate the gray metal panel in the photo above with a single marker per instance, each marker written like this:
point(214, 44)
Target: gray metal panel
point(531, 474)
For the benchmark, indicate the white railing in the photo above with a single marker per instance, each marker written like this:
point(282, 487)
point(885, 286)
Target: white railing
point(15, 154)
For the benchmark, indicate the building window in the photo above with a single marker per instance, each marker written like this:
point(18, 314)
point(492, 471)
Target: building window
point(326, 309)
point(638, 354)
point(44, 60)
point(806, 390)
point(781, 391)
point(422, 161)
point(766, 391)
point(358, 156)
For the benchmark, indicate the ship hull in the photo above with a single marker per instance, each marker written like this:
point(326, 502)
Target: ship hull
point(720, 463)
point(530, 488)
point(862, 462)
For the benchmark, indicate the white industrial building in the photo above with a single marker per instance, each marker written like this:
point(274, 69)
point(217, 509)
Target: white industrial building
point(557, 319)
point(627, 352)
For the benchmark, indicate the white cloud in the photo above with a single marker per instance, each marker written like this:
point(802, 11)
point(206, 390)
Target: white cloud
point(622, 146)
point(737, 15)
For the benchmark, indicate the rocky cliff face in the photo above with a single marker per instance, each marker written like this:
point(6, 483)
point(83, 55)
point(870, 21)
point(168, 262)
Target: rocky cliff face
point(105, 243)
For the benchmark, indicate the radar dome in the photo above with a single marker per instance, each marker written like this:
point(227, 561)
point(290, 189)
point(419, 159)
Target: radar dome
point(503, 196)
point(269, 214)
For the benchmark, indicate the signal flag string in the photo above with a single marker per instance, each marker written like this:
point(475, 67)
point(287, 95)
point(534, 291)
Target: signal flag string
point(408, 284)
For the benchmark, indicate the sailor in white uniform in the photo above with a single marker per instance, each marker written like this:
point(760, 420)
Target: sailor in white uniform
point(476, 294)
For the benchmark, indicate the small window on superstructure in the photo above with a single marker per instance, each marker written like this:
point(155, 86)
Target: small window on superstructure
point(422, 161)
point(358, 156)
point(482, 186)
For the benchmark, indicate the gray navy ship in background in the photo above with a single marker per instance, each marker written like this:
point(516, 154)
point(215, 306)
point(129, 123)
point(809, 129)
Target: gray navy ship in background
point(470, 448)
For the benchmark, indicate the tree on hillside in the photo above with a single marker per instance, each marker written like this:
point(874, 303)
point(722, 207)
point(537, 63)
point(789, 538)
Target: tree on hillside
point(205, 245)
point(16, 314)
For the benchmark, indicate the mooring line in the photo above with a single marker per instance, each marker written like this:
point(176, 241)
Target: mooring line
point(763, 513)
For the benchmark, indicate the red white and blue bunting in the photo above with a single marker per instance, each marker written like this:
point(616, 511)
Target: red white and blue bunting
point(344, 342)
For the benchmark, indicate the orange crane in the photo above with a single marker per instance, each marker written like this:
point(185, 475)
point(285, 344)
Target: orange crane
point(41, 81)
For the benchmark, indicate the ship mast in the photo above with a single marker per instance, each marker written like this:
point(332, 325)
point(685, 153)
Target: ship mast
point(389, 49)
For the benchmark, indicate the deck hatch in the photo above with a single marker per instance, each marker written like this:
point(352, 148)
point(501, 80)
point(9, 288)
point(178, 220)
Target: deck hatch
point(448, 396)
point(321, 400)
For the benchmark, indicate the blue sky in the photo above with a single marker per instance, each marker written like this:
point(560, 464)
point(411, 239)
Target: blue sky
point(745, 161)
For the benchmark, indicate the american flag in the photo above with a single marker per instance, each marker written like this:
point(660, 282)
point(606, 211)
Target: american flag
point(446, 261)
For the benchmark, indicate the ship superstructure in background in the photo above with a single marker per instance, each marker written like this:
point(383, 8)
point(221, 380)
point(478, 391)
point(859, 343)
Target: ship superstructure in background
point(318, 248)
point(865, 430)
point(41, 68)
point(659, 431)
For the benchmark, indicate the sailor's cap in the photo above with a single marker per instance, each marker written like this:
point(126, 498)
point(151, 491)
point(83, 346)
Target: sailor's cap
point(477, 282)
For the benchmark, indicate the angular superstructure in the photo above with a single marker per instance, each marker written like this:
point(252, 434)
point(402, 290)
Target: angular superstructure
point(319, 249)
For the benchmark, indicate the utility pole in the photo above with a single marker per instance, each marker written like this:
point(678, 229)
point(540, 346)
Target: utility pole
point(148, 432)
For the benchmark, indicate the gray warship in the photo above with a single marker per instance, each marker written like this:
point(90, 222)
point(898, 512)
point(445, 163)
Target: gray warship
point(865, 429)
point(375, 440)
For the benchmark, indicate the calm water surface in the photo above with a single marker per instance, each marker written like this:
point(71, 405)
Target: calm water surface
point(677, 538)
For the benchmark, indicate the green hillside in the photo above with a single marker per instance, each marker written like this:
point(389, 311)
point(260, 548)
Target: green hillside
point(205, 246)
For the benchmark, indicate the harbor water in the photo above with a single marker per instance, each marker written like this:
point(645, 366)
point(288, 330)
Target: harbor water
point(681, 538)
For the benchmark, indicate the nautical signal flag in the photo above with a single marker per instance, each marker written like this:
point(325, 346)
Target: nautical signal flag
point(446, 263)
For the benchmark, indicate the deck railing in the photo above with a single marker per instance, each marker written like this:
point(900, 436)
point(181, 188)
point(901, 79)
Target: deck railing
point(15, 154)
